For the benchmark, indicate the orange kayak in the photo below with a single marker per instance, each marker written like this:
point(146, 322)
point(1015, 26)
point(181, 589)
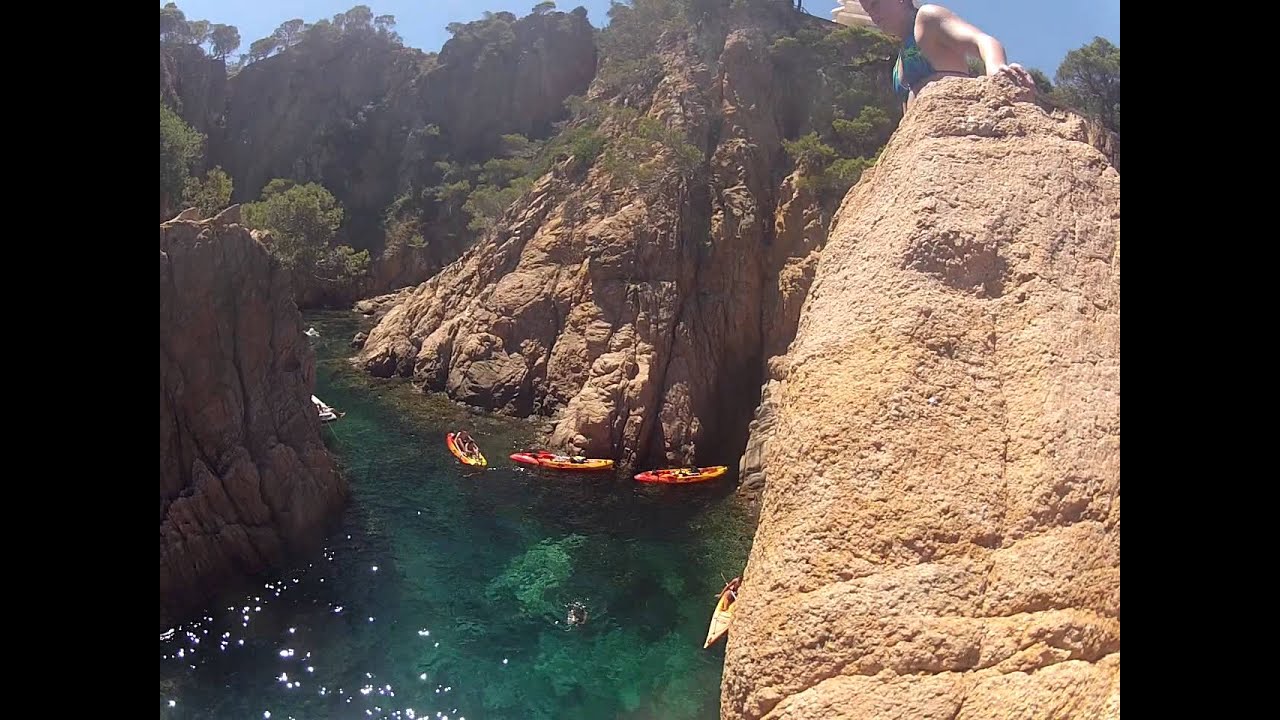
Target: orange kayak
point(551, 461)
point(720, 619)
point(679, 476)
point(477, 460)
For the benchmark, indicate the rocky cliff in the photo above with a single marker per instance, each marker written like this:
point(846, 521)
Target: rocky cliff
point(244, 475)
point(940, 531)
point(639, 311)
point(318, 111)
point(195, 86)
point(368, 118)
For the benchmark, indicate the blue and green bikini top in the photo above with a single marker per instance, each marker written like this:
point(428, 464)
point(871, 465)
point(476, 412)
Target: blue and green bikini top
point(912, 66)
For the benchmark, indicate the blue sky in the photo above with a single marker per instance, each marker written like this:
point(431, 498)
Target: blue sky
point(1036, 33)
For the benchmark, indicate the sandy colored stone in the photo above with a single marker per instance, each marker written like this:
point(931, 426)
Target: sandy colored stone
point(244, 474)
point(939, 533)
point(640, 318)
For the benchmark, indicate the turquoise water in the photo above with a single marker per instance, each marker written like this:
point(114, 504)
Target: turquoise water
point(444, 591)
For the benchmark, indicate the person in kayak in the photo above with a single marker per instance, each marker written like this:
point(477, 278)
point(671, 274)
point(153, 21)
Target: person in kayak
point(936, 42)
point(732, 589)
point(466, 443)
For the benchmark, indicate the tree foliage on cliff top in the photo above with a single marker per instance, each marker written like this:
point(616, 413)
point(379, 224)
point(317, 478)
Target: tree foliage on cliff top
point(843, 74)
point(1089, 79)
point(303, 221)
point(360, 21)
point(176, 29)
point(223, 40)
point(209, 194)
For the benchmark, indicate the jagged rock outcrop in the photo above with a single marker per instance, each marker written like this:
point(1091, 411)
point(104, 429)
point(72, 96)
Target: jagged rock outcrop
point(244, 475)
point(1107, 142)
point(940, 533)
point(378, 307)
point(638, 315)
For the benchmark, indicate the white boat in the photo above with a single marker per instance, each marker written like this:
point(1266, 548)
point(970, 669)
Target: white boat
point(327, 414)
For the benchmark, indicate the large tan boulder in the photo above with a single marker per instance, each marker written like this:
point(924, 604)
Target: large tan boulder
point(940, 527)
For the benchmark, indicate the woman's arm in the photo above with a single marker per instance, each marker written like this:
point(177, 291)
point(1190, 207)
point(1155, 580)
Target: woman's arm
point(950, 28)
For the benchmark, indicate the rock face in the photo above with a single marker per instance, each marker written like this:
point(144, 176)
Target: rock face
point(244, 475)
point(194, 85)
point(476, 95)
point(640, 316)
point(318, 112)
point(351, 111)
point(940, 534)
point(800, 232)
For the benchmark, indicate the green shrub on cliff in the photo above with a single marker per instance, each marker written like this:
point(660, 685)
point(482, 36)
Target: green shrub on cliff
point(209, 194)
point(303, 221)
point(491, 188)
point(1089, 80)
point(342, 264)
point(843, 76)
point(646, 150)
point(181, 146)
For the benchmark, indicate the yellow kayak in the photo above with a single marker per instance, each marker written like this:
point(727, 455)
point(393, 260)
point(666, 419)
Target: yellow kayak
point(720, 618)
point(477, 460)
point(680, 476)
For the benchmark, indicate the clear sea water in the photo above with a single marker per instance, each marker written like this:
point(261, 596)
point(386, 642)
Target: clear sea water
point(443, 593)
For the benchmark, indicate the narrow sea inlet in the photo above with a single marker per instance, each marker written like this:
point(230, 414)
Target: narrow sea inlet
point(446, 590)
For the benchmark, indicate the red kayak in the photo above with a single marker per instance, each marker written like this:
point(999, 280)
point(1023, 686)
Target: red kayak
point(551, 461)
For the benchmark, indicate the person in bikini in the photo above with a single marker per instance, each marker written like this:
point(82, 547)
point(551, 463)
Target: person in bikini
point(936, 43)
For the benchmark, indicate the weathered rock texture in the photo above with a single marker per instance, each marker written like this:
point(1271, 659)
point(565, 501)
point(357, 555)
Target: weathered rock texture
point(641, 317)
point(244, 475)
point(940, 534)
point(800, 233)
